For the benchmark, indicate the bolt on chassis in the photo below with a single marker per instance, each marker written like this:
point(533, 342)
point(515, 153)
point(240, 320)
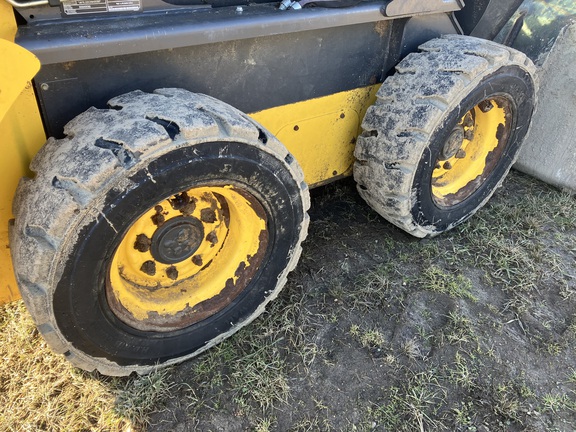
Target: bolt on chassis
point(170, 202)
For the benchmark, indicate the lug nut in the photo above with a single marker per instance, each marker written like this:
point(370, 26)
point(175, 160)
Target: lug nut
point(460, 154)
point(172, 272)
point(468, 120)
point(485, 106)
point(149, 267)
point(142, 243)
point(447, 165)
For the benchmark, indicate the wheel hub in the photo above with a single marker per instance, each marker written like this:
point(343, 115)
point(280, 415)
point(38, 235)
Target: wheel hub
point(187, 258)
point(471, 151)
point(177, 239)
point(453, 144)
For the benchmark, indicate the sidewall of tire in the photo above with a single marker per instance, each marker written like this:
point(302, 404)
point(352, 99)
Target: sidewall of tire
point(515, 84)
point(79, 302)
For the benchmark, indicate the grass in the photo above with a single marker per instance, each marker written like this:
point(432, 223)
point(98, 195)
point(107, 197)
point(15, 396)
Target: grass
point(438, 280)
point(462, 373)
point(411, 406)
point(40, 391)
point(513, 243)
point(459, 329)
point(472, 330)
point(372, 338)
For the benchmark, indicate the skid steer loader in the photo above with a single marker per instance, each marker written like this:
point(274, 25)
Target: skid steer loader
point(170, 202)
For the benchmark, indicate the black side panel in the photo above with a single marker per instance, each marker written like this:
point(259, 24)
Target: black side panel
point(250, 74)
point(485, 18)
point(471, 14)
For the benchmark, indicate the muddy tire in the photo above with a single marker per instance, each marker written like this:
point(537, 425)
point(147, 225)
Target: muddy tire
point(155, 229)
point(444, 132)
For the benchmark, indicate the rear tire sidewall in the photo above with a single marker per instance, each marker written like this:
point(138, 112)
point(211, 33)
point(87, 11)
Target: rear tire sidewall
point(80, 306)
point(512, 83)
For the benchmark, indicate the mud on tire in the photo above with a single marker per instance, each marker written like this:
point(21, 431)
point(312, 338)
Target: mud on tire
point(444, 132)
point(155, 229)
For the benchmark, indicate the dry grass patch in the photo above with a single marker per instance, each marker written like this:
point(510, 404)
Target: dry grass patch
point(39, 390)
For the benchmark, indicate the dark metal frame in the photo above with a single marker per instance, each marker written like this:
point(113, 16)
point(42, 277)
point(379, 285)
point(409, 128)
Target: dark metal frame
point(253, 57)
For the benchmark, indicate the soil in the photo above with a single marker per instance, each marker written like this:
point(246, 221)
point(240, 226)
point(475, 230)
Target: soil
point(473, 330)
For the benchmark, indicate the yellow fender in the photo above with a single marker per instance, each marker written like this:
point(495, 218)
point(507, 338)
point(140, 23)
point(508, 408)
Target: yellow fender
point(21, 131)
point(18, 69)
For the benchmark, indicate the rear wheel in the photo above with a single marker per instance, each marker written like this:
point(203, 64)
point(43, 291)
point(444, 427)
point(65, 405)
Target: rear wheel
point(155, 229)
point(444, 132)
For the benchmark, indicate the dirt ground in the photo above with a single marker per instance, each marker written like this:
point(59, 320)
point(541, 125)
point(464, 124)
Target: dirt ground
point(474, 330)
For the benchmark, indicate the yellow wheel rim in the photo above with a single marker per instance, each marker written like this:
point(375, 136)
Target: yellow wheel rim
point(471, 152)
point(187, 258)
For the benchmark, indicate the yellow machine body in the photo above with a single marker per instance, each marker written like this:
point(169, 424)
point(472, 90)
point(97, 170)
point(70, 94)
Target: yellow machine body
point(334, 121)
point(21, 131)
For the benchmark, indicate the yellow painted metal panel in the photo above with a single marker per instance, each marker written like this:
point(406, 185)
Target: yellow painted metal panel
point(7, 22)
point(18, 68)
point(22, 135)
point(321, 133)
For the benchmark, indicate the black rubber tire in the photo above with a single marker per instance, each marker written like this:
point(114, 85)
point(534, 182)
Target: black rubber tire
point(416, 110)
point(91, 185)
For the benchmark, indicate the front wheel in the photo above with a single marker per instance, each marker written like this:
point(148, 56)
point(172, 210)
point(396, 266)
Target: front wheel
point(155, 229)
point(444, 132)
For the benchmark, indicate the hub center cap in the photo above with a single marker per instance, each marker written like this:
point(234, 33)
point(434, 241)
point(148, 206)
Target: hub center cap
point(453, 143)
point(177, 239)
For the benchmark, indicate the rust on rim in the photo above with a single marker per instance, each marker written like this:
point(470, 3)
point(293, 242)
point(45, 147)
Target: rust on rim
point(187, 258)
point(472, 151)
